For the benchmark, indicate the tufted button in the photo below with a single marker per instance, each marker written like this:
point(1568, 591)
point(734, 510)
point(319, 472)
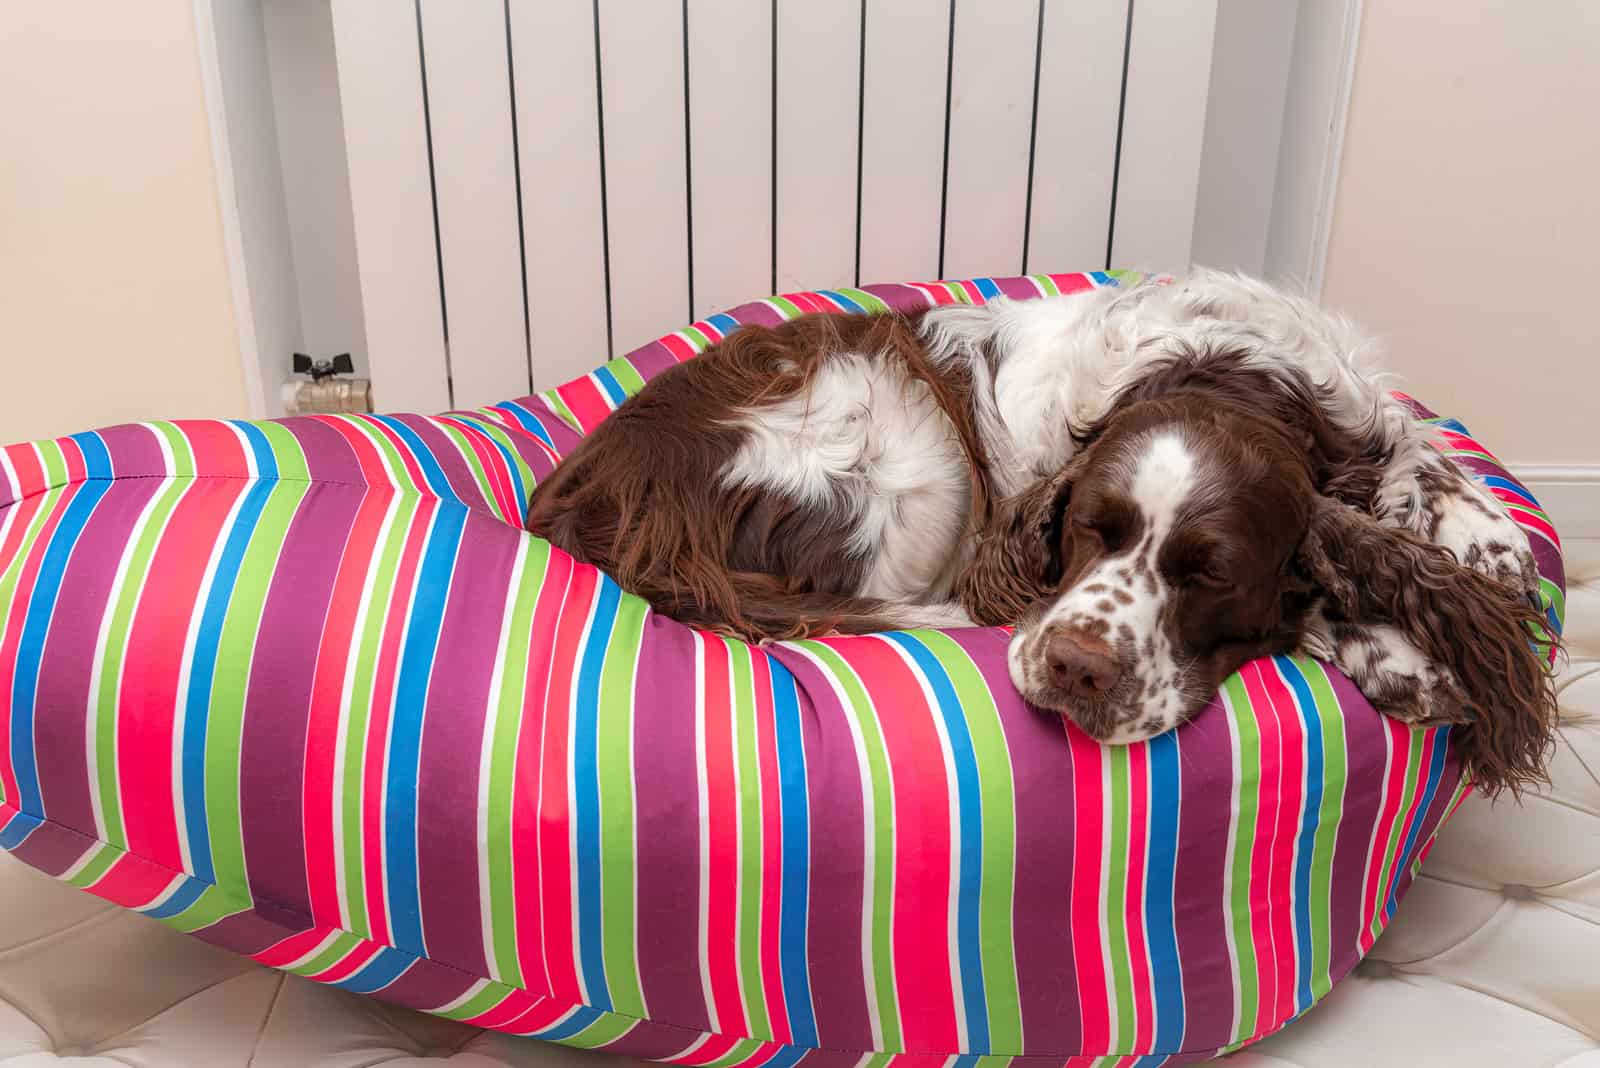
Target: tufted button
point(1518, 892)
point(1372, 968)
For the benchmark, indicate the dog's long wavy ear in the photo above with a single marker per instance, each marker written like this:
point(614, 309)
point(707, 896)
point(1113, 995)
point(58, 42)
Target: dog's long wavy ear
point(1017, 560)
point(1481, 630)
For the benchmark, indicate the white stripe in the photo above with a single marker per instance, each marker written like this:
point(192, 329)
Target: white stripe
point(633, 688)
point(703, 942)
point(97, 680)
point(342, 740)
point(491, 723)
point(953, 795)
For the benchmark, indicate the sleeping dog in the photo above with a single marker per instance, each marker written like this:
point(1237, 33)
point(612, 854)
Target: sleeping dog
point(1160, 483)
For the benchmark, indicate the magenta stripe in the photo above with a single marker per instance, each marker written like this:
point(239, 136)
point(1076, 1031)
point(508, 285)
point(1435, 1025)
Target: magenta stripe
point(68, 660)
point(426, 985)
point(278, 700)
point(666, 786)
point(329, 455)
point(53, 848)
point(250, 932)
point(134, 449)
point(1205, 763)
point(1365, 732)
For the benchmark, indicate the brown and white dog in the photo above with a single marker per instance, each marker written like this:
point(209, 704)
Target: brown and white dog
point(1160, 483)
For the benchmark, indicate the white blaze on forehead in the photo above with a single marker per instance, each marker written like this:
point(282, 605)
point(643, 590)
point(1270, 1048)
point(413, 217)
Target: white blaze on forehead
point(1162, 481)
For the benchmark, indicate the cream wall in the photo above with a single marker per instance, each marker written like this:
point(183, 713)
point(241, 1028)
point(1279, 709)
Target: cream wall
point(1466, 222)
point(114, 292)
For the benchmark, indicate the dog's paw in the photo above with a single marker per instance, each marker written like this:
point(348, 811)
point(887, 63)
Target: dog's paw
point(1392, 673)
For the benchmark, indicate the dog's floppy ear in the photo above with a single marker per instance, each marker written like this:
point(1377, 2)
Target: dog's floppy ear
point(1480, 629)
point(1017, 560)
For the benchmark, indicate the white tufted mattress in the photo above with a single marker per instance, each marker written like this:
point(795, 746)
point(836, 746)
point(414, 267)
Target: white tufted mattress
point(1494, 958)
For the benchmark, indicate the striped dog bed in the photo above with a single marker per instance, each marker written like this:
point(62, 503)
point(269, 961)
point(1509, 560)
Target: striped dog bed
point(306, 690)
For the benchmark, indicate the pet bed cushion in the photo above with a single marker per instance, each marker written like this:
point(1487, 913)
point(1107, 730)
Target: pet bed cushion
point(306, 690)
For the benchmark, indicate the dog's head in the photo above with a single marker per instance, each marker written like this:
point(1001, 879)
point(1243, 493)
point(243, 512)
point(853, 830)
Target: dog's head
point(1195, 530)
point(1169, 552)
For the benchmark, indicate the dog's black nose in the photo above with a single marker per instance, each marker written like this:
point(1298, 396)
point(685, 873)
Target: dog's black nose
point(1080, 665)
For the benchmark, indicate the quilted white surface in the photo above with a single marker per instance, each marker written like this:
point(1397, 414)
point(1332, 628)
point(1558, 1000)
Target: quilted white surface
point(1493, 960)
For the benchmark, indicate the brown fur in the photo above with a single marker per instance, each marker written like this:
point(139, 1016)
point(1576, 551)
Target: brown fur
point(1480, 629)
point(642, 497)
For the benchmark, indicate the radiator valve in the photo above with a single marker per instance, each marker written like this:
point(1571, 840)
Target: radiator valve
point(327, 387)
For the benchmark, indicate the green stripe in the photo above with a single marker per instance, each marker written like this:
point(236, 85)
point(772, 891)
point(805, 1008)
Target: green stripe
point(286, 451)
point(786, 307)
point(1047, 285)
point(618, 844)
point(870, 304)
point(533, 557)
point(858, 705)
point(520, 470)
point(489, 996)
point(1391, 849)
point(1247, 802)
point(749, 772)
point(738, 1053)
point(997, 801)
point(957, 291)
point(105, 856)
point(341, 947)
point(559, 406)
point(628, 376)
point(366, 643)
point(225, 713)
point(54, 462)
point(213, 905)
point(1116, 916)
point(1335, 774)
point(696, 338)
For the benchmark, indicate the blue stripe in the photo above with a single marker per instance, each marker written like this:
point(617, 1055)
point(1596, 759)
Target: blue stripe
point(1512, 486)
point(1160, 925)
point(202, 672)
point(405, 729)
point(795, 819)
point(610, 386)
point(17, 829)
point(724, 323)
point(586, 787)
point(1453, 424)
point(1102, 279)
point(1310, 814)
point(260, 448)
point(969, 891)
point(965, 1060)
point(528, 421)
point(843, 301)
point(35, 628)
point(432, 473)
point(383, 969)
point(987, 287)
point(581, 1018)
point(181, 899)
point(96, 460)
point(1441, 746)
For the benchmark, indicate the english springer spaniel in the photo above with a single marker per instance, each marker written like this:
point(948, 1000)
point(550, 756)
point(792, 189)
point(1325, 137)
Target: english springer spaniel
point(1160, 483)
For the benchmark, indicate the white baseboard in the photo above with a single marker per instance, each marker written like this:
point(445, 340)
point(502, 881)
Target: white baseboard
point(1569, 492)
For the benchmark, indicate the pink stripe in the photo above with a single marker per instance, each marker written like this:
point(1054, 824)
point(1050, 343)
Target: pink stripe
point(1268, 792)
point(1534, 521)
point(1072, 283)
point(1414, 812)
point(347, 965)
point(921, 848)
point(284, 953)
point(1088, 801)
point(520, 1013)
point(721, 944)
point(505, 498)
point(132, 882)
point(679, 347)
point(584, 400)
